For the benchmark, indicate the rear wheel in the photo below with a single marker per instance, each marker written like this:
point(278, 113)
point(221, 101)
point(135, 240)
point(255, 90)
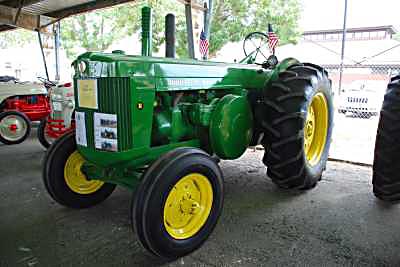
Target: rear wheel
point(386, 178)
point(64, 179)
point(296, 115)
point(178, 203)
point(15, 127)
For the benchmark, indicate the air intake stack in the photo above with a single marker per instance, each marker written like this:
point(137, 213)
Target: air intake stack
point(147, 31)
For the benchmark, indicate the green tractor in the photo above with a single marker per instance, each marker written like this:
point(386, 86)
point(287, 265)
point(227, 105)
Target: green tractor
point(160, 125)
point(385, 179)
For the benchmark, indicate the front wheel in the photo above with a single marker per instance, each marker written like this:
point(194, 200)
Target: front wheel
point(296, 114)
point(178, 203)
point(64, 179)
point(43, 138)
point(15, 127)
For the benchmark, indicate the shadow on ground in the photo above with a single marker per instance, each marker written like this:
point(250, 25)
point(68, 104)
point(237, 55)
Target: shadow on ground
point(339, 223)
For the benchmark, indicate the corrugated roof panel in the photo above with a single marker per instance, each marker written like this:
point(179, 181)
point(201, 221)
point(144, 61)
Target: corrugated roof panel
point(55, 8)
point(48, 6)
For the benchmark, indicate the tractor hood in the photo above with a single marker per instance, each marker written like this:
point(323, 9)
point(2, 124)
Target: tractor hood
point(175, 74)
point(10, 89)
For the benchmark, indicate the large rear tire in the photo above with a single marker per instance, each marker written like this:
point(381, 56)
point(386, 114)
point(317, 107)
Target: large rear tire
point(178, 203)
point(296, 115)
point(15, 127)
point(64, 180)
point(386, 171)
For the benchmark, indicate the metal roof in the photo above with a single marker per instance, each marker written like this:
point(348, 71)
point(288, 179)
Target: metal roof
point(388, 28)
point(34, 14)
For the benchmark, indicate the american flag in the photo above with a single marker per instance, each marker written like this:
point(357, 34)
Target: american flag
point(203, 44)
point(273, 39)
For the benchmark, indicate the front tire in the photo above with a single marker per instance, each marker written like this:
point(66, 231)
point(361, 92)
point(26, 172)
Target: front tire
point(296, 115)
point(15, 127)
point(64, 180)
point(178, 203)
point(386, 179)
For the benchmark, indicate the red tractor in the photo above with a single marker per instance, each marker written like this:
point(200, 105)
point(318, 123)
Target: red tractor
point(49, 103)
point(20, 104)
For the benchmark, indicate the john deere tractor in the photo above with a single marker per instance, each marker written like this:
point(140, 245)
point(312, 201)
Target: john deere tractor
point(159, 125)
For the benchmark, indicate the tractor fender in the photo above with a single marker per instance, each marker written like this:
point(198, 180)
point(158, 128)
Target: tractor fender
point(282, 66)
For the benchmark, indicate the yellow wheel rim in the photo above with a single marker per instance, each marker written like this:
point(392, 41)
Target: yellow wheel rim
point(316, 129)
point(75, 179)
point(188, 206)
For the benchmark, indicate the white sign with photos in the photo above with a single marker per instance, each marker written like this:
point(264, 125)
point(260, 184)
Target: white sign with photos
point(80, 131)
point(105, 131)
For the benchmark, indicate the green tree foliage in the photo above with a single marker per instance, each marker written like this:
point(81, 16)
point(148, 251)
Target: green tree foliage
point(16, 38)
point(232, 21)
point(94, 31)
point(130, 18)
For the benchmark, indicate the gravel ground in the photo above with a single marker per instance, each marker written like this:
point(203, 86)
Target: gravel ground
point(339, 223)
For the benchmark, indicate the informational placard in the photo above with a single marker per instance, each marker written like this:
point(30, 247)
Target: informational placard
point(87, 93)
point(105, 131)
point(80, 131)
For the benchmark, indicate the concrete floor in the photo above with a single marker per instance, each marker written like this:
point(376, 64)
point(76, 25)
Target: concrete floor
point(339, 223)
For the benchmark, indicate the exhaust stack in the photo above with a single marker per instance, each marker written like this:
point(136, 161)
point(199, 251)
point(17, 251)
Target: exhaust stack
point(170, 36)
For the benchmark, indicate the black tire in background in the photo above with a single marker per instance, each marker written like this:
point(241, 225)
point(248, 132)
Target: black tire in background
point(149, 201)
point(386, 168)
point(282, 114)
point(55, 182)
point(41, 134)
point(23, 118)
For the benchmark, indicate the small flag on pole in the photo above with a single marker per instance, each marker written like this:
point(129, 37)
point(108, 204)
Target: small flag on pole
point(273, 39)
point(203, 45)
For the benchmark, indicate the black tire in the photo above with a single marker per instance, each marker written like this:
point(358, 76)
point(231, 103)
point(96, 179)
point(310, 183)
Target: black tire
point(41, 134)
point(54, 180)
point(24, 119)
point(151, 196)
point(386, 171)
point(282, 115)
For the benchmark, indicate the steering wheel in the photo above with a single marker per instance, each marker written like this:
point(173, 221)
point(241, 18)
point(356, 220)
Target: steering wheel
point(47, 83)
point(256, 44)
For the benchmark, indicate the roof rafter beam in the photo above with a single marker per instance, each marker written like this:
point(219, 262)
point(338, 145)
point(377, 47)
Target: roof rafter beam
point(93, 5)
point(8, 16)
point(6, 28)
point(15, 3)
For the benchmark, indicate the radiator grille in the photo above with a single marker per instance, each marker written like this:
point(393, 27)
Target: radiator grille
point(114, 97)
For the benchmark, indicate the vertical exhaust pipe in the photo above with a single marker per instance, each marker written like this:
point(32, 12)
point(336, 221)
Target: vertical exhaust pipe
point(170, 36)
point(147, 31)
